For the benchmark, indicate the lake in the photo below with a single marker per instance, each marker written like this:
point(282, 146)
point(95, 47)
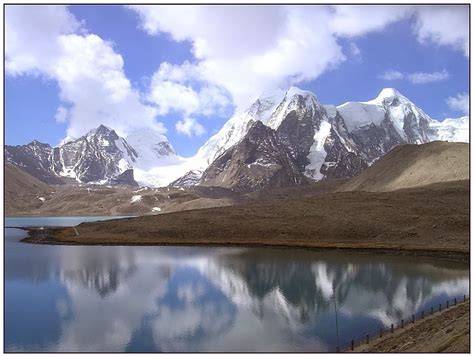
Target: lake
point(193, 299)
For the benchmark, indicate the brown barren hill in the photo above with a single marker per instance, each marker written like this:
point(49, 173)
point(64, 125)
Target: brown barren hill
point(413, 166)
point(430, 218)
point(23, 192)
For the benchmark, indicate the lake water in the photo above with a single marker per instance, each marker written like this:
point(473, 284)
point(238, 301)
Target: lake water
point(71, 298)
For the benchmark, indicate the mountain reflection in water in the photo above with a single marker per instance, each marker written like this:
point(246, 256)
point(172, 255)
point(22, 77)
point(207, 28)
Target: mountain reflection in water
point(70, 298)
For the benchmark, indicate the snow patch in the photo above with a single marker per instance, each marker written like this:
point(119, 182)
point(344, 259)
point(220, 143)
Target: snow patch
point(357, 115)
point(136, 198)
point(156, 209)
point(153, 149)
point(123, 165)
point(317, 154)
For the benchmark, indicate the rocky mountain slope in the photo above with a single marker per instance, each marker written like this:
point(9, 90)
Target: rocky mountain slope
point(258, 161)
point(100, 156)
point(414, 165)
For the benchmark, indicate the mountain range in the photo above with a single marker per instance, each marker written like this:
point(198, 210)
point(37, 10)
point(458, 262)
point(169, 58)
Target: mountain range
point(283, 138)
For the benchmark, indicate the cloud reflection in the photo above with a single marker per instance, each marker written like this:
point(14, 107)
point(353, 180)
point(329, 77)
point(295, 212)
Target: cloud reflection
point(210, 299)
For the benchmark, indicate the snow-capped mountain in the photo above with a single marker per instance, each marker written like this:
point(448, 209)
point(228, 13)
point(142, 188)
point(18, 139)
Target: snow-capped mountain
point(98, 157)
point(95, 157)
point(329, 141)
point(321, 141)
point(103, 157)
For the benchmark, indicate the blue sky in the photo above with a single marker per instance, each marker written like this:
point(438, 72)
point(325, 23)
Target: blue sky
point(186, 70)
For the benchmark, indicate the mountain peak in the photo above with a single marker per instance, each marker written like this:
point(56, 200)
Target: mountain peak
point(103, 129)
point(100, 130)
point(292, 91)
point(35, 142)
point(388, 94)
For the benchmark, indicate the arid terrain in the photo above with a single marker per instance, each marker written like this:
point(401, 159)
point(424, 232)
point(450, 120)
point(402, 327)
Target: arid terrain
point(414, 165)
point(26, 195)
point(433, 218)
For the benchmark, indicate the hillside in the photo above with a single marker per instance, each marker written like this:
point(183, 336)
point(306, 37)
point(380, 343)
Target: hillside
point(23, 192)
point(414, 166)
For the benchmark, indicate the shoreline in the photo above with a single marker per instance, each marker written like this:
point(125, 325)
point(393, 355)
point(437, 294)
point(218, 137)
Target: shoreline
point(44, 237)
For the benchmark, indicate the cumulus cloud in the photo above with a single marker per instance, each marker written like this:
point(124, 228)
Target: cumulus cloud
point(184, 89)
point(416, 77)
point(32, 37)
point(189, 127)
point(247, 50)
point(49, 41)
point(459, 102)
point(446, 25)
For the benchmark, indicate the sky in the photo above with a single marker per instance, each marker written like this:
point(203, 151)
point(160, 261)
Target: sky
point(185, 70)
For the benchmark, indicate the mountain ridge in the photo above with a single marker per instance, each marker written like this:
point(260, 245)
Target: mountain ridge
point(324, 141)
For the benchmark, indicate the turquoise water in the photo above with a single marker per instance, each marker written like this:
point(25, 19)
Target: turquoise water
point(193, 299)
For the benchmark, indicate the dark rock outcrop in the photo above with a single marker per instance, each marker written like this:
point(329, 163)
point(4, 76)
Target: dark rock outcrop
point(258, 161)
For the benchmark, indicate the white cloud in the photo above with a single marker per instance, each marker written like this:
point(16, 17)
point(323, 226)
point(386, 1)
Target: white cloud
point(170, 95)
point(416, 77)
point(189, 127)
point(460, 102)
point(424, 77)
point(391, 75)
point(89, 73)
point(446, 25)
point(61, 114)
point(247, 50)
point(31, 36)
point(184, 89)
point(255, 48)
point(358, 20)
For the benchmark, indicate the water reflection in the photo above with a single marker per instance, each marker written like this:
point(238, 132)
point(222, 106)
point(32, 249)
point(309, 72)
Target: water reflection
point(208, 299)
